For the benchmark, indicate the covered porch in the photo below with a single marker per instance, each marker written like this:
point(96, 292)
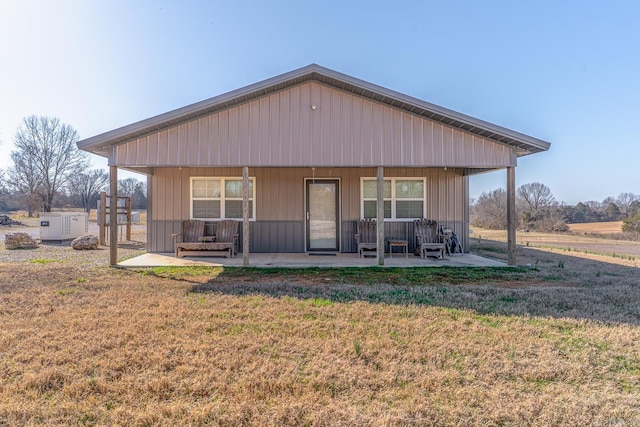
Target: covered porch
point(309, 151)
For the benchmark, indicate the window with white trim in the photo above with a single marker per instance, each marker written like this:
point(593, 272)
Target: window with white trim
point(404, 198)
point(220, 198)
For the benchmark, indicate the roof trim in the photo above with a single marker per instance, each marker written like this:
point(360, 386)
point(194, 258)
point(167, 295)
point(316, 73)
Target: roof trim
point(524, 144)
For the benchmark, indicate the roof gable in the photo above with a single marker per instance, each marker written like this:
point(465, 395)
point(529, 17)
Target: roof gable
point(522, 144)
point(312, 124)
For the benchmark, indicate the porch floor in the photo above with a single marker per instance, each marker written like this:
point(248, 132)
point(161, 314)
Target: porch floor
point(301, 260)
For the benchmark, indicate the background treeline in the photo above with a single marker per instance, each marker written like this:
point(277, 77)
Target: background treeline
point(12, 199)
point(538, 210)
point(49, 172)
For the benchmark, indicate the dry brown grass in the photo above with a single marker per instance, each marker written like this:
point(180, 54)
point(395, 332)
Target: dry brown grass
point(99, 346)
point(555, 344)
point(597, 227)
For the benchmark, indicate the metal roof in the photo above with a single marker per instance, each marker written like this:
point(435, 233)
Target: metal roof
point(524, 144)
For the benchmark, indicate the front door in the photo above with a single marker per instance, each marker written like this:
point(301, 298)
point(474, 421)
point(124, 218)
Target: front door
point(322, 215)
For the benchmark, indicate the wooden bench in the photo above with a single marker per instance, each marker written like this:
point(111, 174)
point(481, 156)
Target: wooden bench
point(204, 249)
point(195, 243)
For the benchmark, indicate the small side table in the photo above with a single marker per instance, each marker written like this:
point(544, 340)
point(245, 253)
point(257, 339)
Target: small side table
point(395, 243)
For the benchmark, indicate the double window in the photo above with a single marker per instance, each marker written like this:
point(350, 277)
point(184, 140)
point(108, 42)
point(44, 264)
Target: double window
point(404, 198)
point(220, 198)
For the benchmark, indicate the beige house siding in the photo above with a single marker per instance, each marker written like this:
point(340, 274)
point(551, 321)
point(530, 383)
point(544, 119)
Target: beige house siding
point(280, 206)
point(280, 191)
point(283, 129)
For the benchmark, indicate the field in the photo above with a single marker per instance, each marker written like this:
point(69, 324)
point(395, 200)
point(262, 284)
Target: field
point(586, 243)
point(597, 227)
point(556, 343)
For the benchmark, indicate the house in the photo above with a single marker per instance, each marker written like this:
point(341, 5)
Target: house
point(310, 146)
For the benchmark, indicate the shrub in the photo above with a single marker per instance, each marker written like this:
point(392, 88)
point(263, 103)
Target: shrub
point(632, 224)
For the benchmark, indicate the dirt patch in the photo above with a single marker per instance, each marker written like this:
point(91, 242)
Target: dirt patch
point(63, 253)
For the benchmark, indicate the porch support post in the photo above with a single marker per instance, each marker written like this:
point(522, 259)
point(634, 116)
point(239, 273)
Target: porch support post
point(113, 216)
point(103, 218)
point(511, 215)
point(380, 215)
point(245, 216)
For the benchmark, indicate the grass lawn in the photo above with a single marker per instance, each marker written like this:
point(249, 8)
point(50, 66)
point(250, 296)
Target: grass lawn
point(554, 344)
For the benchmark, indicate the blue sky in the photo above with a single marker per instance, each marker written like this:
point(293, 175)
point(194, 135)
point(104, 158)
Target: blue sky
point(564, 71)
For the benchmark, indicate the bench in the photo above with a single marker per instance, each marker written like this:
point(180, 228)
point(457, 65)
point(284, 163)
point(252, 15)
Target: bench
point(195, 243)
point(204, 249)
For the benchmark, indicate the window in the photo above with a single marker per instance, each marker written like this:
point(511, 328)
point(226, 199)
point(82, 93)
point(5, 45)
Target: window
point(404, 198)
point(220, 198)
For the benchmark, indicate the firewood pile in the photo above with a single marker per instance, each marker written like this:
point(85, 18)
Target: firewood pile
point(5, 221)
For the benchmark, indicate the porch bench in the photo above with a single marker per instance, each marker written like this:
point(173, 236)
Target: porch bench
point(204, 249)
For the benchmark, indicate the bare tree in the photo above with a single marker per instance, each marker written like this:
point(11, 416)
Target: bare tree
point(490, 210)
point(26, 180)
point(137, 190)
point(536, 196)
point(47, 149)
point(139, 198)
point(127, 186)
point(4, 193)
point(624, 202)
point(88, 185)
point(539, 209)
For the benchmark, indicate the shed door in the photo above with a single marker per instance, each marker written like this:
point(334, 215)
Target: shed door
point(322, 215)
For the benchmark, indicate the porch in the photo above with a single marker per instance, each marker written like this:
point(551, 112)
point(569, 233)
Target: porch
point(304, 260)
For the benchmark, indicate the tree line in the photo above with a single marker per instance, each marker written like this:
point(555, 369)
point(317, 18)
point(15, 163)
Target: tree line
point(49, 171)
point(537, 209)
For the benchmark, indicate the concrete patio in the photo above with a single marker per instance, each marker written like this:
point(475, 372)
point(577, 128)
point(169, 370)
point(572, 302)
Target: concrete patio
point(301, 260)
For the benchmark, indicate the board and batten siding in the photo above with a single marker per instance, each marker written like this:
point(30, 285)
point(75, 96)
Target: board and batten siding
point(280, 203)
point(280, 191)
point(312, 124)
